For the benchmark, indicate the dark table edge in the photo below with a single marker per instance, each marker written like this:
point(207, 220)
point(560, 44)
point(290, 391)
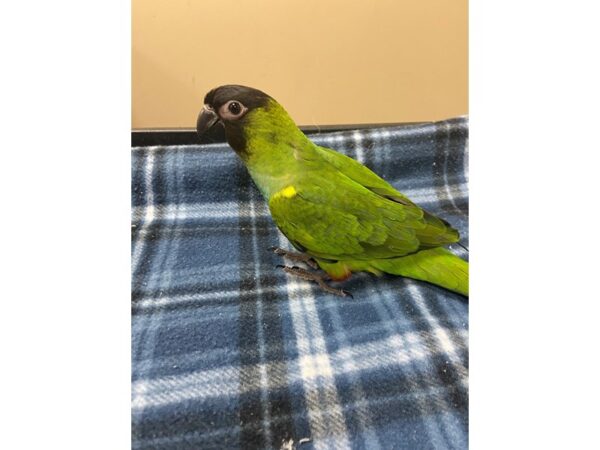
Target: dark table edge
point(187, 136)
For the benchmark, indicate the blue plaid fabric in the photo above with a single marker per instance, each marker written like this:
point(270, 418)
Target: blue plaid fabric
point(230, 352)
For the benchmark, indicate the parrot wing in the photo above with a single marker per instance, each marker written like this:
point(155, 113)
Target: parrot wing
point(331, 216)
point(437, 232)
point(362, 175)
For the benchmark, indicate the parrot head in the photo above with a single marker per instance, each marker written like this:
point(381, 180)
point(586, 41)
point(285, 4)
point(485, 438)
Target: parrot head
point(246, 113)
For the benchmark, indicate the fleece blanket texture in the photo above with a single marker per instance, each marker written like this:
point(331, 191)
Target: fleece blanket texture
point(229, 352)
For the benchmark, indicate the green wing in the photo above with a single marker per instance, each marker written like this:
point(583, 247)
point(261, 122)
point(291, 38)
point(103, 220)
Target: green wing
point(362, 175)
point(437, 232)
point(339, 209)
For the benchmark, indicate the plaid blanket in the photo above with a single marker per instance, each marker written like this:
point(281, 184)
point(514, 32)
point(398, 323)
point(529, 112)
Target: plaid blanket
point(230, 352)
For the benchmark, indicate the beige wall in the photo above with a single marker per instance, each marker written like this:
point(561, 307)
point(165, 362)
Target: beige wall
point(327, 62)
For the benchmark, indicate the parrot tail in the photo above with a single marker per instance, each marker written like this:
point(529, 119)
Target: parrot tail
point(436, 265)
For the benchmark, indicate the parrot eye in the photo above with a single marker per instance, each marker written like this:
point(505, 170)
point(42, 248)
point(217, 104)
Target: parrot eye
point(232, 110)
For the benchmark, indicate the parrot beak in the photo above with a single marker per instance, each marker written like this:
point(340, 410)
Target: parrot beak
point(206, 120)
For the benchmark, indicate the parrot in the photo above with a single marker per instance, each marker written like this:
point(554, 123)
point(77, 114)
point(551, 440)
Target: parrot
point(339, 215)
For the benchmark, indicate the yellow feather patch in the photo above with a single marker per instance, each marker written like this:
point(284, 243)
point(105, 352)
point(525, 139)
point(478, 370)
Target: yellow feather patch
point(286, 192)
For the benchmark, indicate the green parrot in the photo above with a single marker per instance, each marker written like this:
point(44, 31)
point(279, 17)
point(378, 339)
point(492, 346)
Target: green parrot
point(340, 215)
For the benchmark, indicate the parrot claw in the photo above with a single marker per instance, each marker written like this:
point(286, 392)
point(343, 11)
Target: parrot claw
point(319, 279)
point(301, 257)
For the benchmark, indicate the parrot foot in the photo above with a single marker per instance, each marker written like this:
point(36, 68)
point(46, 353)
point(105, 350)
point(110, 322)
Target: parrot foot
point(319, 279)
point(301, 257)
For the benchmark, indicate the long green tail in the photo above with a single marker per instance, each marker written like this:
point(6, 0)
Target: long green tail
point(437, 265)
